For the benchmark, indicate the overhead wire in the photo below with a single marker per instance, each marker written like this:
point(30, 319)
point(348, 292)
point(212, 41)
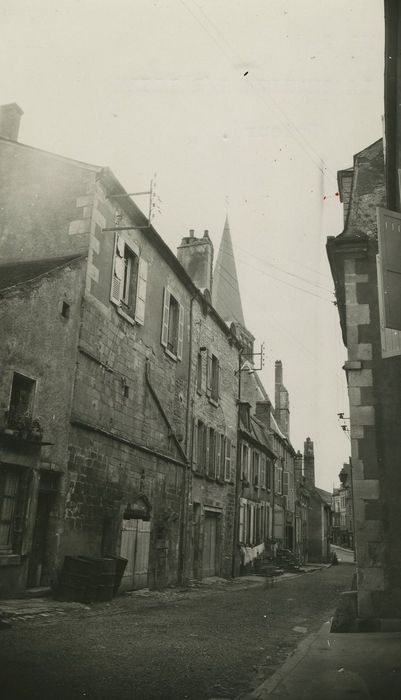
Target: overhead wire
point(288, 123)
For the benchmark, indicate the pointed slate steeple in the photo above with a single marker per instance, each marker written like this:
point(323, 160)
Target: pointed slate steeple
point(226, 295)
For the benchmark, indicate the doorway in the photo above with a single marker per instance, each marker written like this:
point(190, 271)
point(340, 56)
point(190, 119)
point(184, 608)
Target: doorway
point(135, 542)
point(209, 554)
point(37, 575)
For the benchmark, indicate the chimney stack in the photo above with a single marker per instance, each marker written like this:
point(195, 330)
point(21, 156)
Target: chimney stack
point(309, 463)
point(281, 400)
point(10, 117)
point(298, 467)
point(196, 256)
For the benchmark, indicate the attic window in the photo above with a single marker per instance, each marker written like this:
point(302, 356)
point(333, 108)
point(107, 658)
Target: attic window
point(65, 310)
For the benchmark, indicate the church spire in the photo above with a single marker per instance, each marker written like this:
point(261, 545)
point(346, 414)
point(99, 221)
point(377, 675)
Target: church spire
point(226, 295)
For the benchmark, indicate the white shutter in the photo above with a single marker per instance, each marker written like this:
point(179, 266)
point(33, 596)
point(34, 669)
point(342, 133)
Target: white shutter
point(209, 374)
point(118, 270)
point(285, 483)
point(218, 380)
point(389, 238)
point(218, 456)
point(180, 332)
point(165, 320)
point(141, 291)
point(195, 443)
point(390, 339)
point(227, 470)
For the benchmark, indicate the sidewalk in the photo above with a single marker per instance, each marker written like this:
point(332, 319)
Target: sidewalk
point(338, 666)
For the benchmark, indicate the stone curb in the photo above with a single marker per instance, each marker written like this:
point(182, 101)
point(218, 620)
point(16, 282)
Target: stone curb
point(263, 691)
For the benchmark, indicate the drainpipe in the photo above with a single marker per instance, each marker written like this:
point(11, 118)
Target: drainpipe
point(186, 490)
point(238, 472)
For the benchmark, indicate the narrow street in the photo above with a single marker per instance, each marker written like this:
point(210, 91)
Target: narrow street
point(218, 641)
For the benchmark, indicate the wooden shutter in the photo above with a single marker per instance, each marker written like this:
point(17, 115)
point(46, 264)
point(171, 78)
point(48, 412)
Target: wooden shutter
point(195, 443)
point(166, 314)
point(118, 270)
point(227, 466)
point(218, 380)
point(218, 456)
point(389, 237)
point(285, 483)
point(241, 522)
point(180, 332)
point(209, 373)
point(390, 339)
point(141, 291)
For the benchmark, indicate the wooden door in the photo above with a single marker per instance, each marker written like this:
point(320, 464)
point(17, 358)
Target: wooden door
point(209, 545)
point(135, 541)
point(39, 541)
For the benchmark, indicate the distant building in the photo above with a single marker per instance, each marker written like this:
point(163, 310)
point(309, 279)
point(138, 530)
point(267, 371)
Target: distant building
point(342, 511)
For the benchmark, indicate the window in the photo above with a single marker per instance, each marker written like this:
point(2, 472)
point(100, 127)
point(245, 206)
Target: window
point(212, 454)
point(227, 460)
point(201, 446)
point(263, 471)
point(172, 325)
point(129, 279)
point(213, 377)
point(9, 482)
point(342, 501)
point(268, 474)
point(278, 478)
point(255, 468)
point(199, 373)
point(285, 483)
point(220, 457)
point(245, 462)
point(21, 401)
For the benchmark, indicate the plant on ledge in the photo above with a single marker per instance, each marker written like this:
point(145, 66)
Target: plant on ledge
point(22, 426)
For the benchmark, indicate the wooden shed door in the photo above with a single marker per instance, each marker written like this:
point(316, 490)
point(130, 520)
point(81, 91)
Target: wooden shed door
point(135, 540)
point(209, 545)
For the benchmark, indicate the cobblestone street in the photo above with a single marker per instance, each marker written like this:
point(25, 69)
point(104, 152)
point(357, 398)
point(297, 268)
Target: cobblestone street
point(218, 641)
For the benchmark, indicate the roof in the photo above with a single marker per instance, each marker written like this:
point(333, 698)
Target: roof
point(324, 495)
point(14, 273)
point(225, 292)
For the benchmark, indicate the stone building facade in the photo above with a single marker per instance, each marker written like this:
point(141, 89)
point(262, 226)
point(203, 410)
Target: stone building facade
point(372, 369)
point(117, 393)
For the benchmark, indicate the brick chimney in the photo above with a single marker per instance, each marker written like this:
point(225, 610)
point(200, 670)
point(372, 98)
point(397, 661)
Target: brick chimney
point(309, 463)
point(298, 467)
point(263, 412)
point(281, 400)
point(196, 256)
point(10, 117)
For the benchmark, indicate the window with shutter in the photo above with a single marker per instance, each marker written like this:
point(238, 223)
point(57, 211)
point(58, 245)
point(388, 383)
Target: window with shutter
point(285, 483)
point(9, 483)
point(211, 470)
point(141, 291)
point(172, 335)
point(227, 466)
point(128, 284)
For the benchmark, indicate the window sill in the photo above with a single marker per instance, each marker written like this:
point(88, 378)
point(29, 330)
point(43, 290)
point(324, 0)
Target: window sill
point(10, 559)
point(210, 478)
point(125, 316)
point(171, 354)
point(198, 473)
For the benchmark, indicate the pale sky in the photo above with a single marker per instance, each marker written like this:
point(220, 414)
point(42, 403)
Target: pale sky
point(238, 106)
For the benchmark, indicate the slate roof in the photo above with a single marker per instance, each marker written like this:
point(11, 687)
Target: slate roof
point(14, 273)
point(324, 495)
